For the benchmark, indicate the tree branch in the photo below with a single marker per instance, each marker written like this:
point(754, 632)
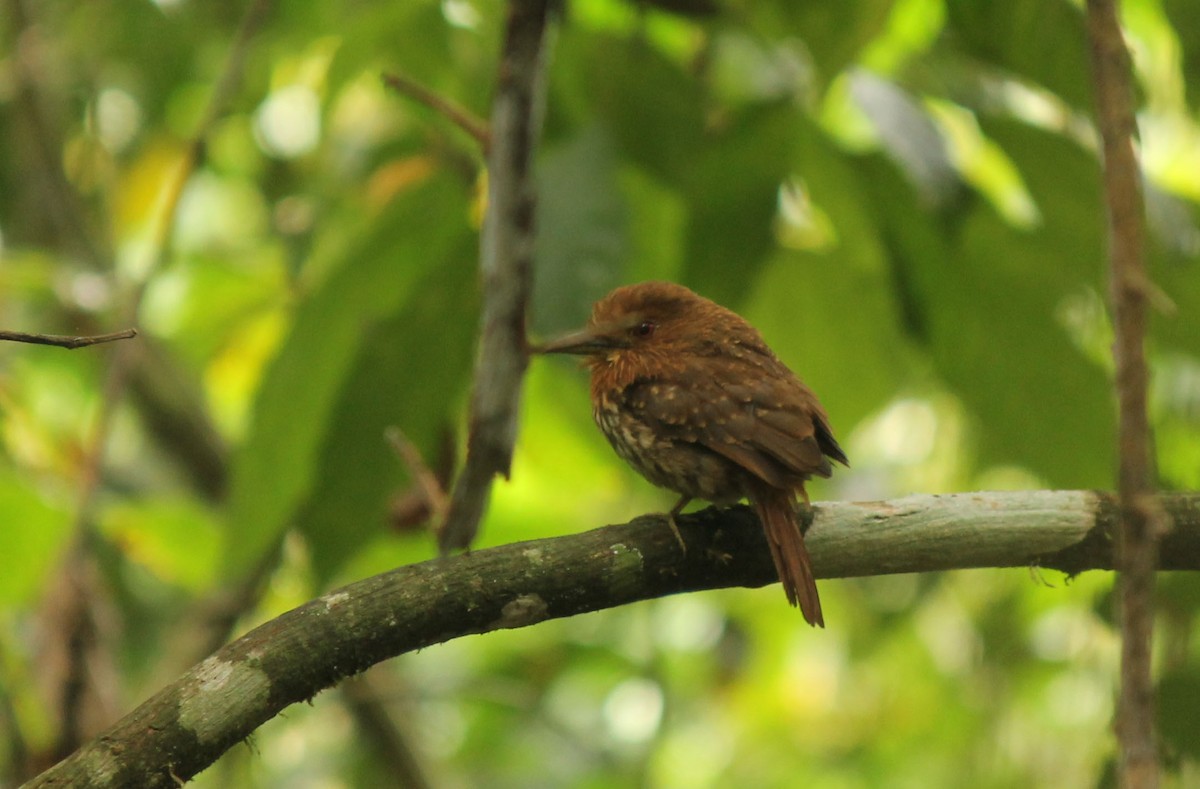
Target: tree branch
point(506, 261)
point(66, 341)
point(456, 114)
point(219, 702)
point(1141, 517)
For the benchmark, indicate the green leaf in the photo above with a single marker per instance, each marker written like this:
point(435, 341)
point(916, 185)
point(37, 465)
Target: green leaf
point(1174, 261)
point(1184, 16)
point(657, 225)
point(31, 541)
point(832, 314)
point(733, 194)
point(176, 539)
point(837, 326)
point(1039, 400)
point(410, 372)
point(653, 109)
point(988, 302)
point(582, 229)
point(1043, 41)
point(1064, 181)
point(1179, 698)
point(836, 187)
point(275, 466)
point(834, 33)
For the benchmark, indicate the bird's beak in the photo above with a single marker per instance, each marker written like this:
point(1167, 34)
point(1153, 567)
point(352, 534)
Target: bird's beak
point(585, 342)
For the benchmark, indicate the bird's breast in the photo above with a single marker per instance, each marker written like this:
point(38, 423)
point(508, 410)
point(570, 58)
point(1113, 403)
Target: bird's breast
point(632, 438)
point(667, 461)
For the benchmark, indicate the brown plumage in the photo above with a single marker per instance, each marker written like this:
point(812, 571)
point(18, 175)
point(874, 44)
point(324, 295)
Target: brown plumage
point(688, 394)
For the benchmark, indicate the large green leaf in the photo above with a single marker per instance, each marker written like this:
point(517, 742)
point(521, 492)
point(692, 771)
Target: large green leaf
point(175, 539)
point(1042, 41)
point(836, 188)
point(31, 540)
point(410, 372)
point(1184, 16)
point(658, 219)
point(1174, 224)
point(365, 40)
point(832, 313)
point(652, 107)
point(987, 300)
point(137, 34)
point(582, 229)
point(836, 324)
point(1040, 401)
point(276, 464)
point(1064, 181)
point(732, 194)
point(833, 33)
point(1179, 691)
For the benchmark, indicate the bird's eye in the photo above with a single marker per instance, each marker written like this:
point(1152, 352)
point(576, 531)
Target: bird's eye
point(644, 329)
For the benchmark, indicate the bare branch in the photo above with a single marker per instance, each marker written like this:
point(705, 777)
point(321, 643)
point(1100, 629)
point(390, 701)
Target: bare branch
point(455, 113)
point(506, 260)
point(431, 490)
point(219, 702)
point(64, 341)
point(1141, 517)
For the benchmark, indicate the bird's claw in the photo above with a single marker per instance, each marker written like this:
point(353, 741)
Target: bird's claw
point(720, 557)
point(675, 530)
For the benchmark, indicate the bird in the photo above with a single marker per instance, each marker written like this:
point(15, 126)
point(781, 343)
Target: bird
point(689, 394)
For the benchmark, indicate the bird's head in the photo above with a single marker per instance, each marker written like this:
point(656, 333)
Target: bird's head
point(650, 320)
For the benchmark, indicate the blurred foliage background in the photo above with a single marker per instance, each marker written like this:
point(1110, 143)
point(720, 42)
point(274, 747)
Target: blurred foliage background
point(903, 196)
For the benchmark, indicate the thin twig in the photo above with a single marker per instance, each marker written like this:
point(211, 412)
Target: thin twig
point(455, 113)
point(65, 341)
point(1141, 518)
point(427, 482)
point(506, 260)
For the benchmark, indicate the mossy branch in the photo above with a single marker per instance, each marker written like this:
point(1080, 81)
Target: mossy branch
point(222, 700)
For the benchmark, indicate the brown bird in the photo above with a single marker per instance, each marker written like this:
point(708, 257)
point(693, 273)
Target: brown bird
point(688, 394)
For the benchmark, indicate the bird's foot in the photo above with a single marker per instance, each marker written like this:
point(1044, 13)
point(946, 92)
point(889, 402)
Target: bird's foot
point(675, 530)
point(678, 508)
point(721, 557)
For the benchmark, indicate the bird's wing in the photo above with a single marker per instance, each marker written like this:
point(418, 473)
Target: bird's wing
point(747, 408)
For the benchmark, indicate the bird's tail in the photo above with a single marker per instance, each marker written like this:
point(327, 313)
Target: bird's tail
point(776, 510)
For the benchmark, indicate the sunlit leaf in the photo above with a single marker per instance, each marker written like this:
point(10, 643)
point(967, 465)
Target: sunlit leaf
point(409, 372)
point(31, 541)
point(276, 465)
point(176, 540)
